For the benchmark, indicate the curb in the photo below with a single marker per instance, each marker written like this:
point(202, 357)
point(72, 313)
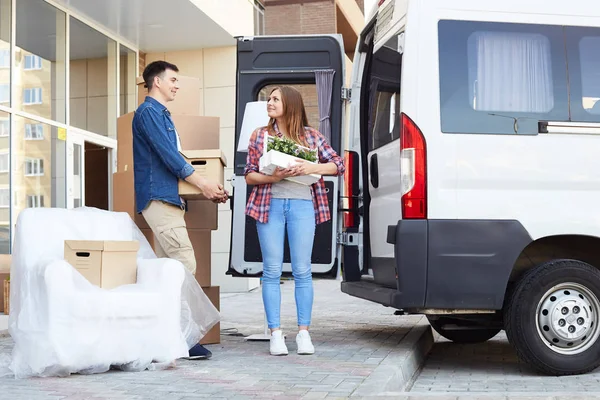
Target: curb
point(397, 371)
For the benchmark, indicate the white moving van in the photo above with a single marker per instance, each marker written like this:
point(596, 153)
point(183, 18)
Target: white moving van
point(472, 192)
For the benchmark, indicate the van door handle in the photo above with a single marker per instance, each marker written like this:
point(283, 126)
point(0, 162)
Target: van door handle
point(374, 171)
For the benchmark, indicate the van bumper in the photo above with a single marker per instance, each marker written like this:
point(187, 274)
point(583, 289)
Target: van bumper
point(452, 264)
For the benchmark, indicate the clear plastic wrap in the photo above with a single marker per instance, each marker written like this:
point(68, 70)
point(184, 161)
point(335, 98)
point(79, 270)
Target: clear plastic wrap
point(62, 324)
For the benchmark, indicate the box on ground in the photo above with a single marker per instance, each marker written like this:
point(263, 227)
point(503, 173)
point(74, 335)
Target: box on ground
point(200, 239)
point(104, 263)
point(194, 132)
point(209, 164)
point(6, 296)
point(214, 335)
point(188, 100)
point(273, 159)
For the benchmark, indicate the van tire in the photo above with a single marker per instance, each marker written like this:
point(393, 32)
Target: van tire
point(464, 336)
point(552, 318)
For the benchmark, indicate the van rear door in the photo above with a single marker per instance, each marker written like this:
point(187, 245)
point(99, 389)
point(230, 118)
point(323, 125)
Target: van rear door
point(262, 63)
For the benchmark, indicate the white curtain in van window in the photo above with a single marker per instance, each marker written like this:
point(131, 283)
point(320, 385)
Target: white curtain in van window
point(511, 72)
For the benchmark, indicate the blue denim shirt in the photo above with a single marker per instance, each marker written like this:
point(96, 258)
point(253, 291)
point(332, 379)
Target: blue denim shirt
point(157, 163)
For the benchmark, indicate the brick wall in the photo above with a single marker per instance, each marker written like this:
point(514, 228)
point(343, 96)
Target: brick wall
point(285, 18)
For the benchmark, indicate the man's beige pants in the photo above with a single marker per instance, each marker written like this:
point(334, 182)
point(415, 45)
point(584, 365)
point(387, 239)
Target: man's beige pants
point(167, 224)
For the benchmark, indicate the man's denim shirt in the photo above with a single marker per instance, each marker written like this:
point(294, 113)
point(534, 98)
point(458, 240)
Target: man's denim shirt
point(158, 165)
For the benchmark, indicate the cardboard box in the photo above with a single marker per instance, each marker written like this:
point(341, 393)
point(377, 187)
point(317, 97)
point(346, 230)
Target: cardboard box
point(201, 214)
point(188, 100)
point(195, 132)
point(209, 164)
point(201, 243)
point(200, 239)
point(5, 260)
point(104, 263)
point(124, 197)
point(6, 296)
point(214, 335)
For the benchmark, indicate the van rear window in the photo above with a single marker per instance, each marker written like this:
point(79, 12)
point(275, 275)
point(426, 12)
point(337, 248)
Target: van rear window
point(499, 78)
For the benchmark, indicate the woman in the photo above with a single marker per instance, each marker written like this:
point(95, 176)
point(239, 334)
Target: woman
point(276, 203)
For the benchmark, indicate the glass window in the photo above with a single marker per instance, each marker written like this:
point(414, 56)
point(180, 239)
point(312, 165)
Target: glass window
point(36, 200)
point(500, 78)
point(33, 62)
point(40, 59)
point(32, 96)
point(259, 18)
point(4, 161)
point(93, 87)
point(34, 132)
point(4, 197)
point(4, 93)
point(4, 127)
point(584, 73)
point(5, 183)
point(128, 74)
point(5, 58)
point(5, 41)
point(383, 80)
point(40, 166)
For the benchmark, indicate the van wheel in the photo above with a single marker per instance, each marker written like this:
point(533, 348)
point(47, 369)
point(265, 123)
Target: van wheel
point(552, 318)
point(461, 331)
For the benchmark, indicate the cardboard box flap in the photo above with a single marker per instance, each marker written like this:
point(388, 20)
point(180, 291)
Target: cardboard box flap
point(139, 80)
point(210, 153)
point(121, 245)
point(90, 245)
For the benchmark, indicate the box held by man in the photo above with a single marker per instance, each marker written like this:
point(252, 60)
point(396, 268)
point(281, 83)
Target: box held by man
point(209, 163)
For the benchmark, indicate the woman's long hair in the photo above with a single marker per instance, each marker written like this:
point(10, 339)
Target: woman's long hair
point(294, 115)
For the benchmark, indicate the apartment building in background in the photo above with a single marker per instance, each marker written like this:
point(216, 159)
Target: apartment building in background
point(67, 77)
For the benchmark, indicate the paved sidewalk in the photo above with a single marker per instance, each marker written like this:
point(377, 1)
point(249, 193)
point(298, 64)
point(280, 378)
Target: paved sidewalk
point(493, 369)
point(362, 350)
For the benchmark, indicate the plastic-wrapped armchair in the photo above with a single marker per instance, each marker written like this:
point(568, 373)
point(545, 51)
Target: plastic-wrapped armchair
point(62, 324)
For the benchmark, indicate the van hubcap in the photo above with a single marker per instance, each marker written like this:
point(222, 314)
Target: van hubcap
point(567, 318)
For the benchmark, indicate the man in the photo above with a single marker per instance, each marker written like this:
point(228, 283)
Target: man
point(158, 166)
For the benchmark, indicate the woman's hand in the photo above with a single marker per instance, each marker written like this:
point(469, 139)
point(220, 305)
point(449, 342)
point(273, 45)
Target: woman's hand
point(282, 173)
point(303, 167)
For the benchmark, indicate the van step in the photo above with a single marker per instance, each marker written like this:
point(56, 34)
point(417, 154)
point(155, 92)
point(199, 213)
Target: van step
point(368, 290)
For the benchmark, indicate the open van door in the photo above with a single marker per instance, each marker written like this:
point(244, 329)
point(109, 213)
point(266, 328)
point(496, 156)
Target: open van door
point(262, 63)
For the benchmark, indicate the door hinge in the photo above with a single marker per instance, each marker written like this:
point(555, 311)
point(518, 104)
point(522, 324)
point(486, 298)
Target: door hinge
point(347, 239)
point(346, 93)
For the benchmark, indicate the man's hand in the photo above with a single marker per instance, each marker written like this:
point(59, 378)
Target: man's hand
point(211, 190)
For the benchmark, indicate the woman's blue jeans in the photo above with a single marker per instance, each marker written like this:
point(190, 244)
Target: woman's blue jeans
point(299, 217)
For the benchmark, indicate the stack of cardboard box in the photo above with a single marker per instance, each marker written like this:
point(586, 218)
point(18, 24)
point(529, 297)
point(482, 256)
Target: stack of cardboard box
point(196, 133)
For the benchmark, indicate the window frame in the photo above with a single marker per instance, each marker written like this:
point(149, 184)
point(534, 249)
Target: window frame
point(457, 116)
point(5, 153)
point(36, 163)
point(34, 94)
point(36, 62)
point(39, 128)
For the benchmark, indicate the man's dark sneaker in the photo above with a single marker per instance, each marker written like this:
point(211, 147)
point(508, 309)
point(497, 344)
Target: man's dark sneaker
point(199, 352)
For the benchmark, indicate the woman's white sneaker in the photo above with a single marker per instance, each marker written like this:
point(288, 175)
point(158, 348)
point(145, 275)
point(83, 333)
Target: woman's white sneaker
point(277, 344)
point(304, 343)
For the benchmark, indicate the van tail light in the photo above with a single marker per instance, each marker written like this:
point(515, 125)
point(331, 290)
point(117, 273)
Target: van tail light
point(413, 170)
point(350, 192)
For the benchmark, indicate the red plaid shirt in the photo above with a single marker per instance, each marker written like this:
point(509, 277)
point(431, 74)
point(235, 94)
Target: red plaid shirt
point(260, 198)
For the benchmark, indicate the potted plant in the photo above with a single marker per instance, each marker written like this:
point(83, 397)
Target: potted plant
point(283, 153)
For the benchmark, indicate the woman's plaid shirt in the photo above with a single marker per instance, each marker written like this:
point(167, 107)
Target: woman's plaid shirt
point(260, 198)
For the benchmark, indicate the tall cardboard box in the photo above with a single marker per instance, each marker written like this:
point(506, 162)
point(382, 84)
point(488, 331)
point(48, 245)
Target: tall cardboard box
point(188, 100)
point(105, 263)
point(201, 214)
point(209, 164)
point(124, 197)
point(194, 132)
point(201, 244)
point(200, 239)
point(214, 335)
